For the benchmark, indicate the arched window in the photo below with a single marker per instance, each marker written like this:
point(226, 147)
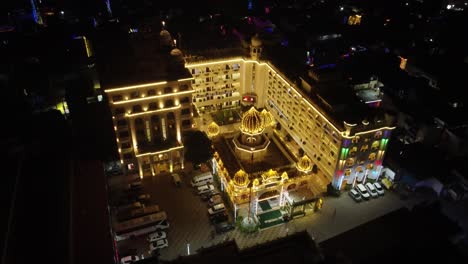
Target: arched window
point(359, 169)
point(347, 172)
point(375, 145)
point(372, 156)
point(355, 140)
point(378, 135)
point(349, 162)
point(137, 108)
point(353, 151)
point(364, 148)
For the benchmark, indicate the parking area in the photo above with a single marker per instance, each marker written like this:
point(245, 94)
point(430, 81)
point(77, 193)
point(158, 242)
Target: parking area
point(190, 228)
point(187, 214)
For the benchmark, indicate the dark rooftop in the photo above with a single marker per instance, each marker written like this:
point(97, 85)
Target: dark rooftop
point(134, 58)
point(297, 248)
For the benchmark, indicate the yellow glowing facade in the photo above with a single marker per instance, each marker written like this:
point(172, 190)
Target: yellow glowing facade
point(146, 115)
point(326, 141)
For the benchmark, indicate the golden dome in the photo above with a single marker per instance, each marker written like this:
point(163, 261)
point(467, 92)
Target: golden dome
point(304, 164)
point(268, 119)
point(252, 122)
point(241, 179)
point(269, 175)
point(213, 129)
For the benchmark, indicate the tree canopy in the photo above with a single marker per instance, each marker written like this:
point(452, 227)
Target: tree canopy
point(197, 147)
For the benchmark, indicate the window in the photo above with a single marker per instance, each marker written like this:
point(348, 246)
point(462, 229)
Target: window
point(151, 92)
point(185, 111)
point(169, 103)
point(355, 140)
point(119, 111)
point(121, 122)
point(372, 157)
point(378, 135)
point(137, 108)
point(375, 145)
point(126, 145)
point(186, 123)
point(135, 94)
point(116, 98)
point(138, 121)
point(184, 87)
point(347, 172)
point(364, 148)
point(349, 162)
point(185, 100)
point(124, 134)
point(152, 106)
point(359, 169)
point(237, 66)
point(128, 156)
point(353, 151)
point(168, 90)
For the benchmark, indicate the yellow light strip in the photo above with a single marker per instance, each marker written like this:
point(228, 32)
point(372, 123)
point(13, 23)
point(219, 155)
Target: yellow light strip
point(370, 131)
point(154, 111)
point(153, 97)
point(133, 87)
point(186, 79)
point(212, 63)
point(159, 152)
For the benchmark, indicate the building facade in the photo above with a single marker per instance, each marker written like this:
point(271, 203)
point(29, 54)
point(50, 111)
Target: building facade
point(148, 122)
point(149, 118)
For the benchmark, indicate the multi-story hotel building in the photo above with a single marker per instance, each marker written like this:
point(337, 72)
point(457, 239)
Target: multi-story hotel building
point(345, 151)
point(149, 117)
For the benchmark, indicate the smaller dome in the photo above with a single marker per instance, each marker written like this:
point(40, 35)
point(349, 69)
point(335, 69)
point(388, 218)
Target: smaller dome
point(268, 119)
point(269, 175)
point(256, 41)
point(304, 164)
point(241, 179)
point(165, 38)
point(213, 129)
point(176, 52)
point(252, 122)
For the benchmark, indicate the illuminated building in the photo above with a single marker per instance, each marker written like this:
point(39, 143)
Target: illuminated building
point(345, 150)
point(149, 118)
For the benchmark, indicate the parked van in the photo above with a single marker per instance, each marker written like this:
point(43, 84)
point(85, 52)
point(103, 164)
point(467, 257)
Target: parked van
point(202, 179)
point(216, 209)
point(176, 179)
point(205, 189)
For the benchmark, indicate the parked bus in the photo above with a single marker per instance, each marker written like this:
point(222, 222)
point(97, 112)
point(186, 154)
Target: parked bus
point(138, 226)
point(139, 212)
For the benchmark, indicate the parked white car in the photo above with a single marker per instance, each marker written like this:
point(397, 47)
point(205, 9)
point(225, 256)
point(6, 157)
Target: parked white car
point(373, 192)
point(379, 188)
point(363, 191)
point(158, 244)
point(156, 236)
point(129, 259)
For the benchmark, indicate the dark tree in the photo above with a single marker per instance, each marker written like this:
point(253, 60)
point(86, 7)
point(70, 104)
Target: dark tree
point(197, 147)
